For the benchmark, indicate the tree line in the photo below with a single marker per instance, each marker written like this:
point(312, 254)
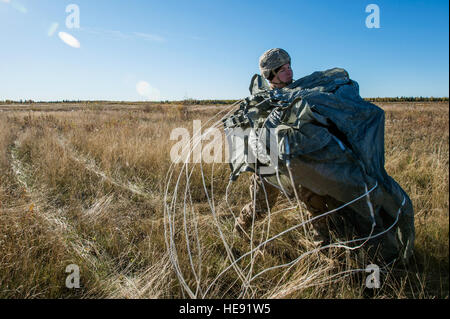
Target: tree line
point(220, 102)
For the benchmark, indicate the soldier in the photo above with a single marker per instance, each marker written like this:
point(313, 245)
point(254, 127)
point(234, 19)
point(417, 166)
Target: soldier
point(275, 66)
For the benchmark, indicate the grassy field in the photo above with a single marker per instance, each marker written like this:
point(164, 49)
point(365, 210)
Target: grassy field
point(85, 184)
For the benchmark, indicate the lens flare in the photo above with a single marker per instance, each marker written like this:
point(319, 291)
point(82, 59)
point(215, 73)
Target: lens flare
point(70, 40)
point(19, 7)
point(51, 31)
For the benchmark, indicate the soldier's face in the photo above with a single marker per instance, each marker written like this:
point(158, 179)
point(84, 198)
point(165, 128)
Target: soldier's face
point(285, 74)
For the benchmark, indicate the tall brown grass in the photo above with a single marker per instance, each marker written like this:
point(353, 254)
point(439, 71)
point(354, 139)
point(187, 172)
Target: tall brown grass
point(84, 185)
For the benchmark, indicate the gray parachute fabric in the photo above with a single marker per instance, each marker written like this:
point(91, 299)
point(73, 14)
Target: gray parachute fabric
point(334, 142)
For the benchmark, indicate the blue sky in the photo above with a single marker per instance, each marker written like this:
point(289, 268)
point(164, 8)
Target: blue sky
point(135, 50)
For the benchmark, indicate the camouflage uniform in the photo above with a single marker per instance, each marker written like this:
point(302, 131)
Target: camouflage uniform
point(270, 61)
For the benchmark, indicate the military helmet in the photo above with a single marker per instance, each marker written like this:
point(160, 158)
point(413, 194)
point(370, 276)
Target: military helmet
point(271, 60)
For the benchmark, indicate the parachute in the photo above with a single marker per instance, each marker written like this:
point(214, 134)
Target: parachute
point(320, 134)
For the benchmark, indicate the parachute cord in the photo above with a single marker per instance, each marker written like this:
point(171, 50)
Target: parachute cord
point(376, 235)
point(338, 245)
point(226, 196)
point(297, 198)
point(284, 232)
point(170, 210)
point(187, 191)
point(222, 236)
point(288, 165)
point(277, 171)
point(268, 212)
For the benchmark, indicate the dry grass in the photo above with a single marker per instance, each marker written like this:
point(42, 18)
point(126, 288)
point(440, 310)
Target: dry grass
point(85, 185)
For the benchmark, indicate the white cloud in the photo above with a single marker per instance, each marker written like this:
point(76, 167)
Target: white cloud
point(151, 37)
point(122, 35)
point(69, 40)
point(145, 90)
point(194, 37)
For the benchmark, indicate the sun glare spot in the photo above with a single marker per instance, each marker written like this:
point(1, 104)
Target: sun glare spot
point(69, 40)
